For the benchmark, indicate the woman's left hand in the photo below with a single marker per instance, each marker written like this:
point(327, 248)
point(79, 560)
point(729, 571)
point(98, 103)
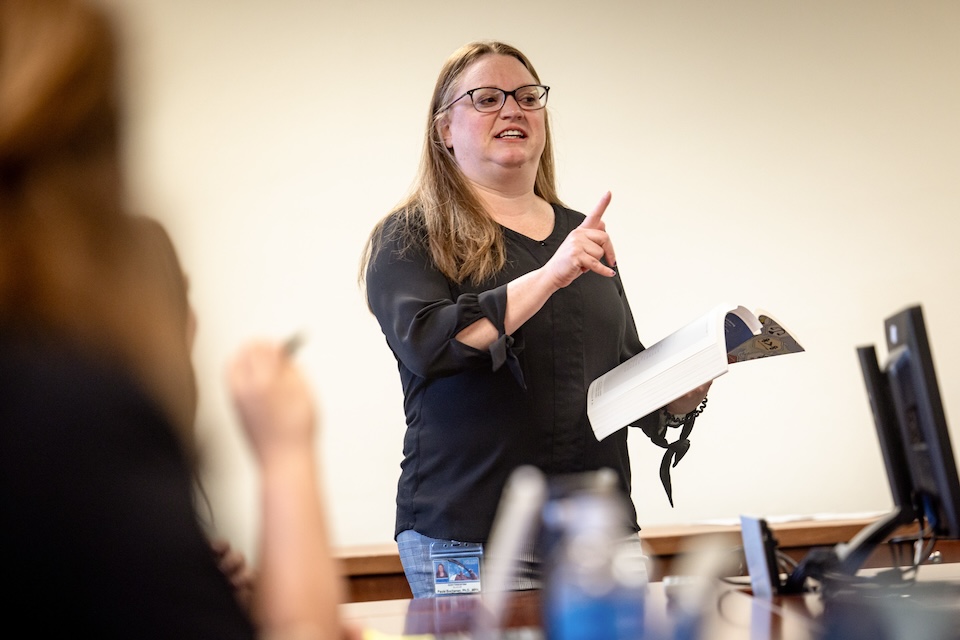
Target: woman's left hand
point(689, 401)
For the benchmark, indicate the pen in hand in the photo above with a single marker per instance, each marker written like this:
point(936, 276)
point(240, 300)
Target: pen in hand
point(292, 344)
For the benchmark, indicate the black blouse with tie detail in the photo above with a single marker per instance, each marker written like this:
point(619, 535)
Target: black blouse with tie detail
point(474, 416)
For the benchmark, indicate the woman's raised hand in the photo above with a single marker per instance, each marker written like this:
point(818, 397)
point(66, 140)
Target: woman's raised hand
point(583, 249)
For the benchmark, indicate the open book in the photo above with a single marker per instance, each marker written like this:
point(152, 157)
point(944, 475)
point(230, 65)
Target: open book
point(681, 362)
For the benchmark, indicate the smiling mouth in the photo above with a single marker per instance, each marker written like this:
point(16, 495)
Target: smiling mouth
point(514, 134)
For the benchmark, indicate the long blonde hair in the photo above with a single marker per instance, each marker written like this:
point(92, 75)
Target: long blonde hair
point(69, 264)
point(443, 213)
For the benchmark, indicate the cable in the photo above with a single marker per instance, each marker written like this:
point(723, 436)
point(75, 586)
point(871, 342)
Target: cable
point(786, 562)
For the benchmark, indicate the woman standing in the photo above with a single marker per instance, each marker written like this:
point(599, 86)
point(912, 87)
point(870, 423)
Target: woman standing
point(500, 304)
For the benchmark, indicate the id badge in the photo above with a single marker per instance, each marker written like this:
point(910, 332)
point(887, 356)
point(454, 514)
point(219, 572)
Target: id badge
point(456, 567)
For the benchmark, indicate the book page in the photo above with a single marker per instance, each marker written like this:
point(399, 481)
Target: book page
point(656, 359)
point(683, 360)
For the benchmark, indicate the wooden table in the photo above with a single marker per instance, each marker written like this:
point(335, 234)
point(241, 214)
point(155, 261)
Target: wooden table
point(373, 572)
point(733, 614)
point(726, 612)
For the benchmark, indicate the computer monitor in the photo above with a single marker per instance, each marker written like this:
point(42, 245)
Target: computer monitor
point(922, 423)
point(851, 555)
point(917, 452)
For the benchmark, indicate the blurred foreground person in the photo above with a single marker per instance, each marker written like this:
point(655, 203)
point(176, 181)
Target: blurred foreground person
point(164, 271)
point(97, 521)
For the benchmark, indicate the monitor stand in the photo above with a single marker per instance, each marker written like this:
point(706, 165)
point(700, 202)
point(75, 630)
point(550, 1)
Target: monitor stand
point(844, 558)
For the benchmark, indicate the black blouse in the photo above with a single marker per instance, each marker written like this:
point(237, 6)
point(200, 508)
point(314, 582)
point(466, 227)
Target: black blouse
point(474, 416)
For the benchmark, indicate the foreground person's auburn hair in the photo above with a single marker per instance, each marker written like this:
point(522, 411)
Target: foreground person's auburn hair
point(69, 270)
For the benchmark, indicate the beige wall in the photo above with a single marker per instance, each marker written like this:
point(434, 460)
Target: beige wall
point(803, 157)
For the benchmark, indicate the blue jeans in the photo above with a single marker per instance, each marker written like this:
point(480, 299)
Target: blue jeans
point(418, 567)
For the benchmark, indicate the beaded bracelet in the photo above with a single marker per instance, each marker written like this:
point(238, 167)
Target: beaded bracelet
point(673, 420)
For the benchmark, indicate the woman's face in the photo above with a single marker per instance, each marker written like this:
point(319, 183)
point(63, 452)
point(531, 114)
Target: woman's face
point(486, 144)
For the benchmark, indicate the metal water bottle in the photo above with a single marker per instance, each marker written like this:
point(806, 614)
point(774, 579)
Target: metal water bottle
point(595, 576)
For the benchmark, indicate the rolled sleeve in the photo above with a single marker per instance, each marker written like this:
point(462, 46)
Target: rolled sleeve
point(421, 313)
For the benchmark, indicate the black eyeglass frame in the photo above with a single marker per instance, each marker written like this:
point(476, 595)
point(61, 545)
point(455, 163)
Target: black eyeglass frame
point(506, 94)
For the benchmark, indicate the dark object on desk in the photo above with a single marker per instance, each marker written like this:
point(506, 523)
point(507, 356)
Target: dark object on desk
point(908, 611)
point(917, 452)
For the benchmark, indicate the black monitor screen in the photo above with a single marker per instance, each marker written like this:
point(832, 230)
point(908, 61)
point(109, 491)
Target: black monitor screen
point(919, 414)
point(888, 433)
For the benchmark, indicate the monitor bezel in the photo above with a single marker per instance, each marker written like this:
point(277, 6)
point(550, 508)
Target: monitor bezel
point(887, 428)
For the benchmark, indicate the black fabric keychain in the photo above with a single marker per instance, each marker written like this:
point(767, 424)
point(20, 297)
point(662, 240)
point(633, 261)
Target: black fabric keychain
point(674, 450)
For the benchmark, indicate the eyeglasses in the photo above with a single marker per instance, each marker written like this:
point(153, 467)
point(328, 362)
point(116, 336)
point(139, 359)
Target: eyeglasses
point(530, 97)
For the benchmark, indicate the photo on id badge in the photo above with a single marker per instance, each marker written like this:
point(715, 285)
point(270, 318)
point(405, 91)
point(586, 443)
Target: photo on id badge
point(456, 567)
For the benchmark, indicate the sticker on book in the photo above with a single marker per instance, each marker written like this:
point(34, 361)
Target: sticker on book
point(772, 340)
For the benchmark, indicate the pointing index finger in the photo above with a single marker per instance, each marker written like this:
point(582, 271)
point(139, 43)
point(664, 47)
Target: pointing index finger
point(593, 221)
